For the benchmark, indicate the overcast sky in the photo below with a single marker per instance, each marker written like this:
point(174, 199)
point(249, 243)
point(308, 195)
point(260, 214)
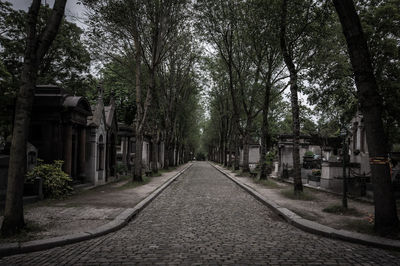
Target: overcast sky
point(73, 11)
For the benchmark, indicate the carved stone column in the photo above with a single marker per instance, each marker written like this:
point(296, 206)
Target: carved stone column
point(82, 151)
point(68, 148)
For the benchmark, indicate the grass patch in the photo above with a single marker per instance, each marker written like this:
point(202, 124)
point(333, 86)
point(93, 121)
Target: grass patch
point(338, 209)
point(170, 169)
point(26, 234)
point(235, 171)
point(121, 178)
point(366, 226)
point(133, 184)
point(243, 174)
point(305, 195)
point(156, 174)
point(360, 226)
point(268, 183)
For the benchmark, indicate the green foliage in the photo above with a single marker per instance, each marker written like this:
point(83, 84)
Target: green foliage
point(270, 157)
point(308, 154)
point(121, 168)
point(380, 21)
point(316, 172)
point(118, 81)
point(200, 156)
point(67, 62)
point(282, 123)
point(332, 88)
point(56, 183)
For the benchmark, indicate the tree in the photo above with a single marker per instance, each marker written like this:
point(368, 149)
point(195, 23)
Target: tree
point(298, 41)
point(145, 30)
point(379, 21)
point(67, 62)
point(177, 85)
point(386, 219)
point(331, 83)
point(118, 82)
point(287, 56)
point(264, 35)
point(37, 45)
point(217, 23)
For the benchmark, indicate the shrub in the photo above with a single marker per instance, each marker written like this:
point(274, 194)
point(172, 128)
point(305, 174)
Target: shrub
point(56, 183)
point(121, 169)
point(269, 157)
point(316, 172)
point(308, 154)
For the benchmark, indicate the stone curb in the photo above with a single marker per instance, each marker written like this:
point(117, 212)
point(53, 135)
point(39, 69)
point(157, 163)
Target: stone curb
point(120, 221)
point(313, 227)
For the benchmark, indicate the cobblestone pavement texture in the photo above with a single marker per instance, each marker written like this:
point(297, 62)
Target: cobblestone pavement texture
point(201, 219)
point(312, 209)
point(87, 210)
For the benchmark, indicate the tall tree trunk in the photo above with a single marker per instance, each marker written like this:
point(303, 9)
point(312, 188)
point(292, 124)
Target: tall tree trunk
point(213, 153)
point(36, 48)
point(225, 154)
point(176, 152)
point(171, 155)
point(237, 154)
point(298, 186)
point(221, 150)
point(246, 167)
point(371, 107)
point(166, 151)
point(230, 155)
point(137, 173)
point(182, 154)
point(166, 157)
point(154, 157)
point(265, 134)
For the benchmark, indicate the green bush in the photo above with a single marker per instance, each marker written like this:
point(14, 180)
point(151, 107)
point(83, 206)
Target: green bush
point(56, 183)
point(121, 169)
point(316, 172)
point(269, 157)
point(308, 154)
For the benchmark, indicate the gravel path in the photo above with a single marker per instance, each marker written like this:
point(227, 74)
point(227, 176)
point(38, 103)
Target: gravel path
point(204, 218)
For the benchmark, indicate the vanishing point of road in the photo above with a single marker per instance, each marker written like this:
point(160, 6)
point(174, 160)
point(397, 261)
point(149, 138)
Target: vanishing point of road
point(203, 218)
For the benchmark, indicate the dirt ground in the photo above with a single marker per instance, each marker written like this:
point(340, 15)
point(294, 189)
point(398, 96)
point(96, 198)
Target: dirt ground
point(360, 219)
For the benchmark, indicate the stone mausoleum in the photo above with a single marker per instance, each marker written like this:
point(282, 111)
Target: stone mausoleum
point(58, 128)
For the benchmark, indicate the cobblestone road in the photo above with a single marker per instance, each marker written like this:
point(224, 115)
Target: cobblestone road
point(204, 218)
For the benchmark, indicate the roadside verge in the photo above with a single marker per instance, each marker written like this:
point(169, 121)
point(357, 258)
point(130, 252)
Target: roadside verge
point(118, 222)
point(311, 226)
